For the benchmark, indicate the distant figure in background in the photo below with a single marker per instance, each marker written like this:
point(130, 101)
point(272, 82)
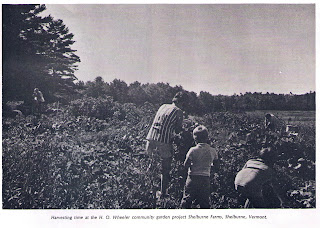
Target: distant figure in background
point(272, 129)
point(270, 122)
point(257, 179)
point(38, 101)
point(199, 160)
point(167, 120)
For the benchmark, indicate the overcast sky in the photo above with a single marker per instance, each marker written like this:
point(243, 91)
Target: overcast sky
point(222, 49)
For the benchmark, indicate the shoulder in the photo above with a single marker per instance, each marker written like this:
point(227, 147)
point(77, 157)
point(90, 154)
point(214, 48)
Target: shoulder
point(170, 106)
point(193, 149)
point(163, 106)
point(255, 161)
point(176, 111)
point(176, 108)
point(214, 152)
point(190, 152)
point(258, 164)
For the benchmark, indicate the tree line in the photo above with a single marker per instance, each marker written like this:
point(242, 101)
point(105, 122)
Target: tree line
point(37, 52)
point(202, 103)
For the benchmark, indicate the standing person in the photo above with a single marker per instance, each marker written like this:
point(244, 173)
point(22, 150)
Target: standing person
point(38, 100)
point(167, 120)
point(256, 177)
point(198, 161)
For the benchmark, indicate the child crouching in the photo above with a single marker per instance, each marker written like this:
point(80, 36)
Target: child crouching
point(198, 162)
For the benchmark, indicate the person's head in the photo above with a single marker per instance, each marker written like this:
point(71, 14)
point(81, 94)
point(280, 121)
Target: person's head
point(36, 90)
point(268, 116)
point(268, 154)
point(180, 99)
point(200, 134)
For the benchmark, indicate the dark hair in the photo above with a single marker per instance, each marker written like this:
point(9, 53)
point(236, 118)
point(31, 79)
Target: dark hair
point(180, 97)
point(200, 134)
point(268, 115)
point(268, 154)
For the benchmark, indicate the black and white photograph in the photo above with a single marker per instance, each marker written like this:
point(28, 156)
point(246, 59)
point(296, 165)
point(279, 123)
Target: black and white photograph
point(159, 106)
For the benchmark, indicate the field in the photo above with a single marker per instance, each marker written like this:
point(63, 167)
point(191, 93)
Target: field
point(91, 154)
point(294, 117)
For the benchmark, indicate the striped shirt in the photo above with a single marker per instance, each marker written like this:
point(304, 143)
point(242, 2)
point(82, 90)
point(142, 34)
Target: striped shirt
point(168, 118)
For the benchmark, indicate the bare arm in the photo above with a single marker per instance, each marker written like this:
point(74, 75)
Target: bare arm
point(188, 161)
point(178, 125)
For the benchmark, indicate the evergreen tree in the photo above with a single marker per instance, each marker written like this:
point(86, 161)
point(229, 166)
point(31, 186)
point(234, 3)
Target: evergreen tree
point(36, 53)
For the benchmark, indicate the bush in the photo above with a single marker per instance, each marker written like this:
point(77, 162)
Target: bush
point(101, 108)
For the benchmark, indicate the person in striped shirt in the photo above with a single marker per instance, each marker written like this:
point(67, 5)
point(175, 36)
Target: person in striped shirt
point(168, 120)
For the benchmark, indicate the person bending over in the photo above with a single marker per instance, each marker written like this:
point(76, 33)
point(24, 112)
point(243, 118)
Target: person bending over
point(256, 178)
